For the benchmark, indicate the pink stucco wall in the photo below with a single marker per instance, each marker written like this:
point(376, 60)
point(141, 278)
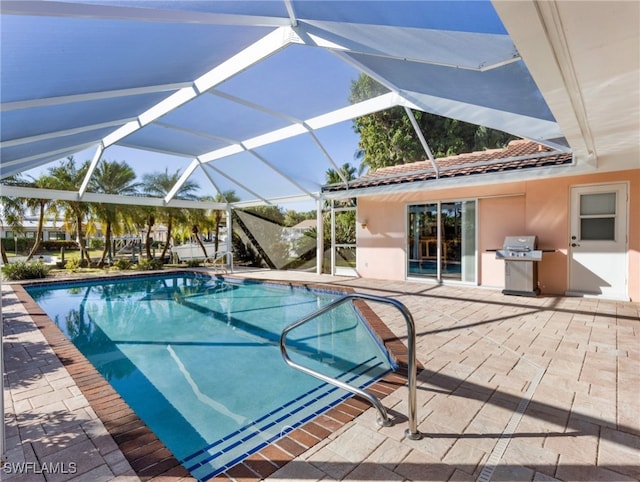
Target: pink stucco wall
point(381, 246)
point(492, 213)
point(539, 207)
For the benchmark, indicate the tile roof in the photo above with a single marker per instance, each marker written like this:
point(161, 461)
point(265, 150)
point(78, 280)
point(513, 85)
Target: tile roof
point(519, 154)
point(306, 224)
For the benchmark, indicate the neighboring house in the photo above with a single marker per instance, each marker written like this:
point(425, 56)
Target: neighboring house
point(297, 231)
point(52, 229)
point(292, 234)
point(414, 223)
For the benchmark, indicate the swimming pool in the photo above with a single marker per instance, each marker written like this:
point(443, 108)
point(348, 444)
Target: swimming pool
point(197, 358)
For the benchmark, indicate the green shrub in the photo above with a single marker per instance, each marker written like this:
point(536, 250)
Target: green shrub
point(72, 264)
point(25, 270)
point(123, 264)
point(150, 264)
point(95, 243)
point(23, 244)
point(193, 263)
point(55, 245)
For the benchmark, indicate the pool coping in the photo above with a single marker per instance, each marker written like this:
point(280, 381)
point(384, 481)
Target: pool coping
point(146, 454)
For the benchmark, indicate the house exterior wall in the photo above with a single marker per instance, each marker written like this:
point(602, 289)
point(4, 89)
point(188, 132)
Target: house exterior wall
point(491, 231)
point(49, 231)
point(540, 207)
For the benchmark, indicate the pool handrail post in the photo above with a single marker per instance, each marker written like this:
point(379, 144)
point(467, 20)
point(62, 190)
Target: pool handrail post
point(412, 432)
point(227, 255)
point(229, 259)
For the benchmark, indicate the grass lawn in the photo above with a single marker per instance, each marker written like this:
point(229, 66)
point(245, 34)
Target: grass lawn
point(94, 253)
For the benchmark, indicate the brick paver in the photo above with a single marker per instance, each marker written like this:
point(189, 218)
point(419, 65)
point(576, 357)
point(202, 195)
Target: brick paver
point(513, 388)
point(53, 433)
point(482, 352)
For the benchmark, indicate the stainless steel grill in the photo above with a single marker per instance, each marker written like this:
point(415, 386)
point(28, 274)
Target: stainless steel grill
point(521, 258)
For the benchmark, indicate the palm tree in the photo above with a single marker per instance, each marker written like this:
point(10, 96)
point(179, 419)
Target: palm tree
point(345, 221)
point(160, 184)
point(347, 171)
point(197, 219)
point(13, 211)
point(333, 177)
point(137, 219)
point(43, 207)
point(195, 231)
point(216, 215)
point(150, 221)
point(111, 177)
point(68, 177)
point(181, 230)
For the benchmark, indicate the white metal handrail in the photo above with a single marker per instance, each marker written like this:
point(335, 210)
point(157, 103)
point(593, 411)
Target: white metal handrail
point(383, 419)
point(226, 255)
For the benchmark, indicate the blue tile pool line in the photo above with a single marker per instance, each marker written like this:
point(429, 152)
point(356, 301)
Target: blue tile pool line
point(288, 428)
point(279, 409)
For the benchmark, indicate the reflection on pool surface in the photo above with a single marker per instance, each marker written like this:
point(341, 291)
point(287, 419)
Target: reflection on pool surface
point(197, 358)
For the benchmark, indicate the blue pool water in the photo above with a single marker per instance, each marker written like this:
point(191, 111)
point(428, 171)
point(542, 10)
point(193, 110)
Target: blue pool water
point(197, 358)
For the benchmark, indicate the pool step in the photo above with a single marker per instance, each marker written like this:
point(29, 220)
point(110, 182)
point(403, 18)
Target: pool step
point(225, 453)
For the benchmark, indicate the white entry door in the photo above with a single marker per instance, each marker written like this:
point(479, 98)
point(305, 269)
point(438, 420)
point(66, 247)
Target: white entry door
point(598, 244)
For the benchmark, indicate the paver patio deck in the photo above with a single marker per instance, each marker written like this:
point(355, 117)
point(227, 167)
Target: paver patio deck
point(513, 388)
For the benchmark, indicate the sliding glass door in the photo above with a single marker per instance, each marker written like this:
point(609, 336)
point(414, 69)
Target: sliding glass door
point(441, 240)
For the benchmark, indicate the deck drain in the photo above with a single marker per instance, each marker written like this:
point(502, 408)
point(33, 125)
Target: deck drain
point(501, 446)
point(503, 442)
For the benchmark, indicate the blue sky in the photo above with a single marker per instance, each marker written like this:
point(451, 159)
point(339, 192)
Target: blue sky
point(339, 140)
point(301, 93)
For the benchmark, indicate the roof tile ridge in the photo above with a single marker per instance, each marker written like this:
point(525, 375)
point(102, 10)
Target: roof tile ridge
point(515, 144)
point(485, 163)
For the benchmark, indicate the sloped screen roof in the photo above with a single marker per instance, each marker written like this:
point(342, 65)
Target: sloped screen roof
point(249, 96)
